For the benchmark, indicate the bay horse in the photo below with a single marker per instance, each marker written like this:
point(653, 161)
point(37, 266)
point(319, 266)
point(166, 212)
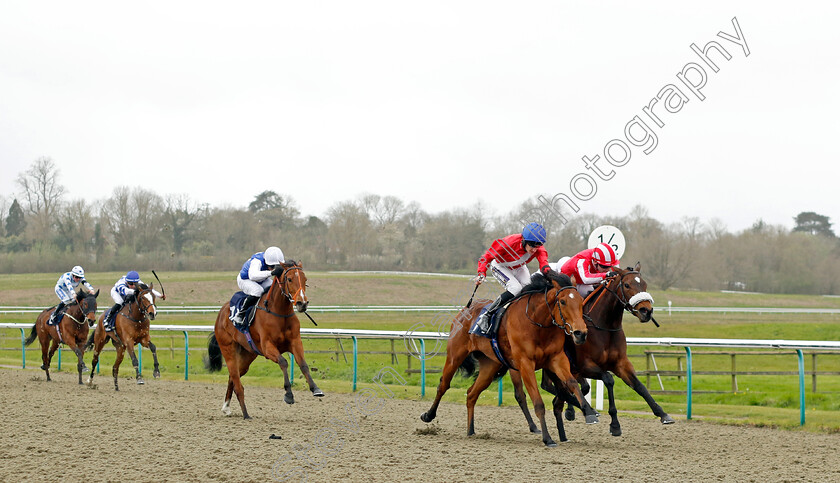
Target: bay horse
point(72, 330)
point(531, 336)
point(275, 329)
point(605, 349)
point(131, 327)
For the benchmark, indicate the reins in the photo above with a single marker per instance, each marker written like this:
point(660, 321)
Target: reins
point(622, 299)
point(284, 292)
point(567, 327)
point(144, 315)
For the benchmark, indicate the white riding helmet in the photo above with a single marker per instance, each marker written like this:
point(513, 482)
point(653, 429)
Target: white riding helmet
point(273, 256)
point(78, 271)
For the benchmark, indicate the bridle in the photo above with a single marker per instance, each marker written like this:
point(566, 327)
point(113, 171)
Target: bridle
point(627, 304)
point(284, 291)
point(144, 310)
point(84, 312)
point(566, 326)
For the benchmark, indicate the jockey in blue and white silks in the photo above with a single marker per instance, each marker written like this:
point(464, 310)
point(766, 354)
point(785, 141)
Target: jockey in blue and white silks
point(65, 289)
point(122, 290)
point(255, 277)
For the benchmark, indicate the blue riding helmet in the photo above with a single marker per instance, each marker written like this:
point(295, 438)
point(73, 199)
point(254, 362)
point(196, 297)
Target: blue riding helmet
point(132, 276)
point(533, 232)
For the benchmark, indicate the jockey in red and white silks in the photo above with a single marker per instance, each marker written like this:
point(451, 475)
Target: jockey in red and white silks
point(589, 267)
point(507, 258)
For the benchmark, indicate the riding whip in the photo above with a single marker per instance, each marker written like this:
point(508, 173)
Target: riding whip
point(310, 318)
point(471, 297)
point(162, 291)
point(654, 321)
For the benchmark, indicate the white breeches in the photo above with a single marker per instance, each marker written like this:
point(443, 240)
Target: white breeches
point(512, 279)
point(251, 287)
point(118, 299)
point(585, 289)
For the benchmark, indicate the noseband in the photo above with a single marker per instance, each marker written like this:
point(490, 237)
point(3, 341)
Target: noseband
point(566, 326)
point(143, 310)
point(283, 288)
point(628, 305)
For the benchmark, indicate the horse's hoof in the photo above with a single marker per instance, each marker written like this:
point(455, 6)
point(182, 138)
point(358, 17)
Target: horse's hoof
point(289, 399)
point(318, 393)
point(427, 419)
point(246, 417)
point(615, 431)
point(535, 430)
point(667, 419)
point(156, 374)
point(570, 414)
point(44, 367)
point(140, 381)
point(591, 419)
point(550, 444)
point(85, 369)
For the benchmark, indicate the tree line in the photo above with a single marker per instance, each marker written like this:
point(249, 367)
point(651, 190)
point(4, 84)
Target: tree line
point(134, 228)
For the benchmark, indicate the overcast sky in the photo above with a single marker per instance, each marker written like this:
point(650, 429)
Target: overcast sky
point(440, 102)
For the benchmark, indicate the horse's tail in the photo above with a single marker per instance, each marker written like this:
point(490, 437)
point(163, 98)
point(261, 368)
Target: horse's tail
point(467, 367)
point(32, 335)
point(213, 361)
point(89, 342)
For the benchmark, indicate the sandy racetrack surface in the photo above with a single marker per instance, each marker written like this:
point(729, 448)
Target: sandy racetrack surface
point(175, 431)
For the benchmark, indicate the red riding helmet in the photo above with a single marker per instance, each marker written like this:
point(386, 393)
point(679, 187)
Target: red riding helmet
point(604, 255)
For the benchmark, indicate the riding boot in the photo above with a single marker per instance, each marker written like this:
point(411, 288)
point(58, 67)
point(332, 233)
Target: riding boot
point(487, 317)
point(59, 309)
point(242, 315)
point(112, 316)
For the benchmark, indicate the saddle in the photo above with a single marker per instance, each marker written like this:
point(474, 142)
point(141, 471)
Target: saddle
point(494, 322)
point(236, 302)
point(55, 317)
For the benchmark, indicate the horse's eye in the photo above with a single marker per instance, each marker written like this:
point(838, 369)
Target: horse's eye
point(626, 285)
point(563, 302)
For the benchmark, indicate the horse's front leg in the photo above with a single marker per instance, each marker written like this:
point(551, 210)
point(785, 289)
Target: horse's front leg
point(297, 351)
point(519, 395)
point(289, 397)
point(584, 389)
point(567, 387)
point(80, 365)
point(151, 346)
point(526, 370)
point(625, 371)
point(273, 353)
point(129, 346)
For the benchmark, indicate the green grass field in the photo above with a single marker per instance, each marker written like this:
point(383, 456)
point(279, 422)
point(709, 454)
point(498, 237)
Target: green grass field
point(763, 400)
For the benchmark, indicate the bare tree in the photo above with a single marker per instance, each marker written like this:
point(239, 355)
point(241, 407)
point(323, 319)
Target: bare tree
point(179, 213)
point(76, 223)
point(132, 216)
point(41, 193)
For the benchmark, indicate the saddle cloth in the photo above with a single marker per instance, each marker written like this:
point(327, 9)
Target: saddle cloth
point(494, 323)
point(235, 307)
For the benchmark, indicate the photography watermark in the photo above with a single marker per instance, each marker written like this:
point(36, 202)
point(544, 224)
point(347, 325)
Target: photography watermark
point(309, 458)
point(640, 131)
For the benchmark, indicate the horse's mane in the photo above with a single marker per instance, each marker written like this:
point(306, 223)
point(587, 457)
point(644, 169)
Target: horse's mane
point(541, 284)
point(143, 286)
